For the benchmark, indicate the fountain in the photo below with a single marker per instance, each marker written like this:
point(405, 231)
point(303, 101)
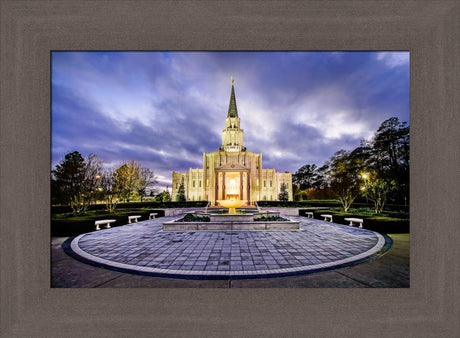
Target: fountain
point(232, 203)
point(233, 198)
point(256, 220)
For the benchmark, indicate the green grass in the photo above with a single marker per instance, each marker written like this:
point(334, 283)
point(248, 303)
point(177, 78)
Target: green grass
point(387, 222)
point(68, 224)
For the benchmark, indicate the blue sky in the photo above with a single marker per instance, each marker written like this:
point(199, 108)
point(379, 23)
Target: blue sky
point(164, 109)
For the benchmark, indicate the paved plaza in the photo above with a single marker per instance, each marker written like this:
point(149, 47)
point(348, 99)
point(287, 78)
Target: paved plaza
point(145, 249)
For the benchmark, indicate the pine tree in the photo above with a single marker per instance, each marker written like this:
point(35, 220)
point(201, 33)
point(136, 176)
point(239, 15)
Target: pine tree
point(181, 192)
point(284, 194)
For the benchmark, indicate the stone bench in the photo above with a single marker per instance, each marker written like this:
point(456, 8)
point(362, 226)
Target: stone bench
point(309, 214)
point(355, 220)
point(104, 221)
point(152, 215)
point(133, 218)
point(327, 217)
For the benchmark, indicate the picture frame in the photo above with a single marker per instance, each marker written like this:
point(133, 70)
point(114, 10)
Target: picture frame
point(30, 30)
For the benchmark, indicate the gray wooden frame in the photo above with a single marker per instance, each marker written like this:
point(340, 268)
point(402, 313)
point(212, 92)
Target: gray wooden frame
point(31, 29)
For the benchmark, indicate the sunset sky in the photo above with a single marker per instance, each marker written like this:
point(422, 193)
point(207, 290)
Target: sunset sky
point(164, 109)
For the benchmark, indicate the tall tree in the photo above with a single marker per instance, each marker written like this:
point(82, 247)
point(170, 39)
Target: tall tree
point(391, 145)
point(75, 180)
point(308, 177)
point(68, 176)
point(109, 190)
point(344, 177)
point(377, 190)
point(127, 177)
point(93, 171)
point(390, 155)
point(386, 156)
point(147, 180)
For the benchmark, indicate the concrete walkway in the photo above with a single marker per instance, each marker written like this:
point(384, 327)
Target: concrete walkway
point(389, 270)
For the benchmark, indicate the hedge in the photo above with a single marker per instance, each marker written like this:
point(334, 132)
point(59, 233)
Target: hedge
point(377, 223)
point(327, 204)
point(61, 209)
point(65, 225)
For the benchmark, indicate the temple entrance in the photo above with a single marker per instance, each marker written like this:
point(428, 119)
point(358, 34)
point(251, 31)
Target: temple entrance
point(232, 184)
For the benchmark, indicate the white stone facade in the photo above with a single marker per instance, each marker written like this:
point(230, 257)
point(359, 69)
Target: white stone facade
point(233, 168)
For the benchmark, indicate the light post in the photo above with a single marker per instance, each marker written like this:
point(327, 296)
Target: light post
point(365, 177)
point(97, 177)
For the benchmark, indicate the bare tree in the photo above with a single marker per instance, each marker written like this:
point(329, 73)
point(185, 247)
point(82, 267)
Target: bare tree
point(147, 180)
point(109, 190)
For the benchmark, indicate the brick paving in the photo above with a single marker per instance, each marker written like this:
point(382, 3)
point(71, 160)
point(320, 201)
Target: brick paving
point(145, 248)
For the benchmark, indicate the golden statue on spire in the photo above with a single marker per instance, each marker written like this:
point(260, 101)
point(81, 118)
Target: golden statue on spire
point(233, 81)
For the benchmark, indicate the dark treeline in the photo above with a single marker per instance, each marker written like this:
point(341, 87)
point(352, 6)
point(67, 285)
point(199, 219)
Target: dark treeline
point(377, 170)
point(79, 182)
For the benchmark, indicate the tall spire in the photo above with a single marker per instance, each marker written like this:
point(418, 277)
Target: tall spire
point(232, 111)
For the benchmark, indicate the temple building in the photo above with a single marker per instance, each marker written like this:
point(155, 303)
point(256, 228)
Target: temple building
point(232, 170)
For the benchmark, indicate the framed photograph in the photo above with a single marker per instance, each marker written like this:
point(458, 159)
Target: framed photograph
point(35, 34)
point(309, 171)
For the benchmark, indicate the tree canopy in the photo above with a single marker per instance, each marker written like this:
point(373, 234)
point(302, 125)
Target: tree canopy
point(74, 181)
point(384, 159)
point(78, 182)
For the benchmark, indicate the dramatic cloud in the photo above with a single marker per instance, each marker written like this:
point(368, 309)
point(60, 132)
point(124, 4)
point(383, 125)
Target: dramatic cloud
point(164, 109)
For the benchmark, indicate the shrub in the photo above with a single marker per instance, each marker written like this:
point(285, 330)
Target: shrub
point(271, 219)
point(193, 218)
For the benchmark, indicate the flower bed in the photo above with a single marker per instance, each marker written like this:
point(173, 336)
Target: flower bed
point(270, 219)
point(193, 218)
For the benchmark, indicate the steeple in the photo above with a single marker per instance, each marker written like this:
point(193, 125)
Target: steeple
point(232, 111)
point(232, 135)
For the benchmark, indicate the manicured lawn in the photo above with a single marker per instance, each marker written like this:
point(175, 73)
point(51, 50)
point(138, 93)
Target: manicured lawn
point(68, 224)
point(387, 222)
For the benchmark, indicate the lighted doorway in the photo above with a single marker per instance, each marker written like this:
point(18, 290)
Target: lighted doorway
point(232, 185)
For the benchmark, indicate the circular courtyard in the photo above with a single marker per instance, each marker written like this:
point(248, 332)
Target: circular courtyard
point(144, 248)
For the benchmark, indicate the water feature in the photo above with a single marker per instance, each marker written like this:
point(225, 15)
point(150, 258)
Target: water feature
point(232, 202)
point(245, 219)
